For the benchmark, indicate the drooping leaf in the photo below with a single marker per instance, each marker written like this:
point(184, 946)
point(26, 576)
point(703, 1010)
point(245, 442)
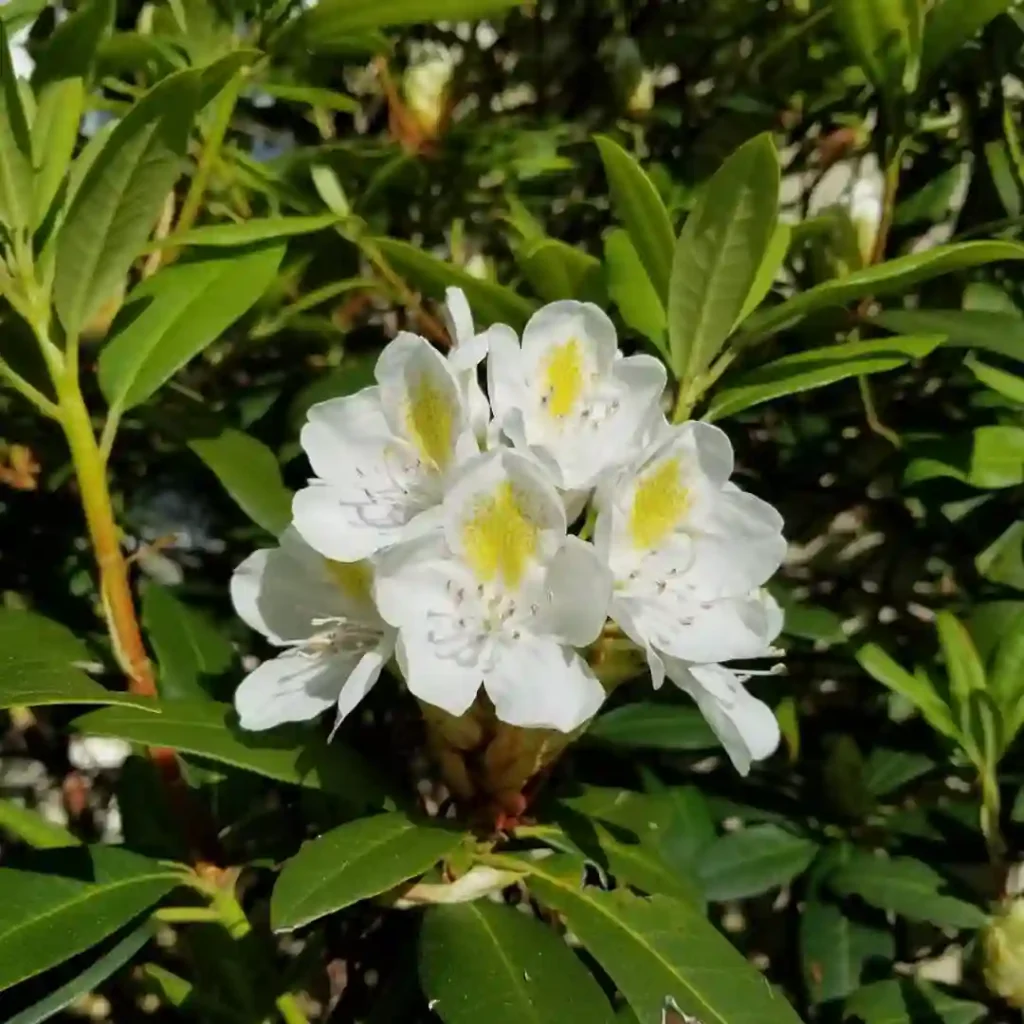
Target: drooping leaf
point(753, 860)
point(952, 23)
point(175, 314)
point(657, 947)
point(885, 38)
point(631, 290)
point(905, 1001)
point(815, 368)
point(640, 208)
point(719, 253)
point(354, 862)
point(210, 730)
point(247, 232)
point(1009, 385)
point(120, 198)
point(249, 472)
point(522, 971)
point(654, 727)
point(1001, 333)
point(69, 900)
point(15, 146)
point(906, 887)
point(991, 456)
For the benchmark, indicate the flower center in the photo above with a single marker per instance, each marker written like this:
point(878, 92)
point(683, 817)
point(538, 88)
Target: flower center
point(563, 379)
point(354, 578)
point(429, 421)
point(659, 502)
point(338, 633)
point(499, 539)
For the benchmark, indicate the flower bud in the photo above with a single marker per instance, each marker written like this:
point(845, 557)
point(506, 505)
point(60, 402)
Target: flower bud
point(426, 90)
point(1002, 945)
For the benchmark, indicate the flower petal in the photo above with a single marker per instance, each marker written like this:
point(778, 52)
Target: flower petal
point(447, 682)
point(292, 687)
point(362, 679)
point(344, 437)
point(563, 343)
point(506, 380)
point(537, 683)
point(579, 589)
point(458, 316)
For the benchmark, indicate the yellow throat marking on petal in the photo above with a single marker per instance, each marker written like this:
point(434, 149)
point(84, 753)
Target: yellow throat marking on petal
point(659, 502)
point(563, 378)
point(499, 538)
point(354, 578)
point(429, 421)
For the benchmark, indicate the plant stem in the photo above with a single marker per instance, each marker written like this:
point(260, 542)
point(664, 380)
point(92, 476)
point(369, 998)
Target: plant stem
point(26, 390)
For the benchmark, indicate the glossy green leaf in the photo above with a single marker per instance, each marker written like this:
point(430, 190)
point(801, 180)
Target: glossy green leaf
point(885, 38)
point(172, 316)
point(883, 669)
point(719, 254)
point(654, 727)
point(815, 368)
point(1001, 333)
point(85, 973)
point(631, 290)
point(70, 52)
point(354, 862)
point(332, 18)
point(70, 900)
point(491, 303)
point(54, 134)
point(952, 23)
point(15, 146)
point(328, 99)
point(642, 212)
point(838, 953)
point(688, 830)
point(32, 828)
point(1009, 385)
point(990, 457)
point(963, 665)
point(657, 947)
point(246, 232)
point(120, 198)
point(296, 756)
point(249, 472)
point(892, 276)
point(906, 887)
point(774, 257)
point(522, 970)
point(905, 1001)
point(187, 646)
point(753, 860)
point(557, 270)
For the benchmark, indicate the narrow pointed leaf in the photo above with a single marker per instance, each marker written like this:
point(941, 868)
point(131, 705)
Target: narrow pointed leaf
point(1001, 333)
point(54, 134)
point(246, 232)
point(952, 23)
point(654, 727)
point(753, 860)
point(15, 146)
point(630, 288)
point(71, 51)
point(906, 1001)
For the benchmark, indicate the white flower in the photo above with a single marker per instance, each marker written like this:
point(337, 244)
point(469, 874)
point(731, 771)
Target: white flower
point(21, 59)
point(468, 351)
point(499, 600)
point(98, 753)
point(383, 456)
point(566, 396)
point(688, 551)
point(323, 613)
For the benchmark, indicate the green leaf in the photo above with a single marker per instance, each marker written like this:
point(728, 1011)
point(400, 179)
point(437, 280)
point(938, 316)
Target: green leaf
point(354, 862)
point(16, 185)
point(963, 665)
point(884, 278)
point(640, 208)
point(333, 18)
point(32, 828)
point(889, 770)
point(815, 368)
point(1001, 333)
point(753, 860)
point(491, 303)
point(654, 727)
point(719, 254)
point(172, 316)
point(657, 947)
point(186, 645)
point(906, 887)
point(328, 99)
point(87, 973)
point(1006, 682)
point(206, 729)
point(914, 688)
point(631, 290)
point(250, 473)
point(246, 232)
point(556, 270)
point(70, 900)
point(1009, 385)
point(54, 134)
point(70, 52)
point(120, 198)
point(903, 1001)
point(885, 37)
point(522, 971)
point(951, 24)
point(689, 828)
point(774, 257)
point(989, 458)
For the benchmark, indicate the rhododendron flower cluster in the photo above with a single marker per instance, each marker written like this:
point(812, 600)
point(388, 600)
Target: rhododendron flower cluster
point(438, 530)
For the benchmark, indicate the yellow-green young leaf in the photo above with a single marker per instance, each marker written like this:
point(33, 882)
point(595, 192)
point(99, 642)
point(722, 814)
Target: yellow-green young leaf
point(816, 368)
point(885, 38)
point(904, 1001)
point(249, 472)
point(15, 146)
point(1009, 385)
point(630, 288)
point(120, 198)
point(354, 862)
point(640, 208)
point(314, 97)
point(1006, 681)
point(966, 672)
point(211, 730)
point(719, 253)
point(752, 861)
point(246, 232)
point(54, 134)
point(657, 947)
point(522, 970)
point(175, 314)
point(766, 273)
point(69, 900)
point(952, 23)
point(883, 278)
point(1001, 333)
point(491, 303)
